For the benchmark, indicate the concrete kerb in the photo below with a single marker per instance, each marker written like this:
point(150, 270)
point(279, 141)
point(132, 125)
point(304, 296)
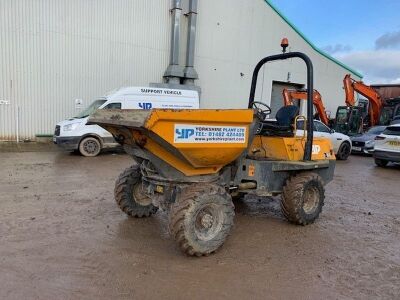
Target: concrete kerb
point(43, 146)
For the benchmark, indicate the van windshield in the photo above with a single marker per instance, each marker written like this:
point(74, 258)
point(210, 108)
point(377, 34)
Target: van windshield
point(91, 109)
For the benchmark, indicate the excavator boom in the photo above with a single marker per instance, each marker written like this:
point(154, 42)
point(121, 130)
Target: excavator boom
point(349, 90)
point(290, 95)
point(375, 101)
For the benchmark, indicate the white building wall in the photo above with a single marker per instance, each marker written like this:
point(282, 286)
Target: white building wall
point(55, 51)
point(234, 35)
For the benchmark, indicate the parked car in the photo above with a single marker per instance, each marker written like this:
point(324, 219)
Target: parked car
point(76, 135)
point(341, 143)
point(396, 120)
point(387, 146)
point(364, 143)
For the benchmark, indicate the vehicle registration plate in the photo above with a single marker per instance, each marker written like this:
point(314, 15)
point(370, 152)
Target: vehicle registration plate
point(357, 148)
point(394, 143)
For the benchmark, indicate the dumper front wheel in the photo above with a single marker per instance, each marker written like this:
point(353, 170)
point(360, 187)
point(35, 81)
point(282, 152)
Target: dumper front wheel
point(201, 219)
point(129, 195)
point(303, 198)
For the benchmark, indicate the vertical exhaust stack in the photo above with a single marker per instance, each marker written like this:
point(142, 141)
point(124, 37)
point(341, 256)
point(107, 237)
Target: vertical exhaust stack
point(174, 72)
point(190, 74)
point(176, 76)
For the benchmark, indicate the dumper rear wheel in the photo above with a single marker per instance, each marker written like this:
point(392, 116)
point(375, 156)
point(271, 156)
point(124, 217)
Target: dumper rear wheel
point(129, 195)
point(201, 219)
point(303, 198)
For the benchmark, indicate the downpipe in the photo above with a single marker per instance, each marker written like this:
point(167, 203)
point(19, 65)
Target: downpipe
point(174, 71)
point(190, 74)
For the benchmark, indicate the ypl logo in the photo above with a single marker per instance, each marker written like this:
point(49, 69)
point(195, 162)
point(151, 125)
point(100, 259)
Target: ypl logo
point(145, 105)
point(184, 133)
point(316, 149)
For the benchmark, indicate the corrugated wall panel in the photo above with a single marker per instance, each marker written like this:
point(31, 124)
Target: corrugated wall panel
point(55, 51)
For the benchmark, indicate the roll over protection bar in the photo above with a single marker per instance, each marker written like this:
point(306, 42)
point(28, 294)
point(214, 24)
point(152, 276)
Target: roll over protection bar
point(310, 89)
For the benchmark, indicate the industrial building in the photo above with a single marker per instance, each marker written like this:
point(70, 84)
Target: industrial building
point(57, 56)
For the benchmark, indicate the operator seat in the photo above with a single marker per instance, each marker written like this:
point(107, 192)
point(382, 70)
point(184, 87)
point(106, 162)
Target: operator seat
point(283, 126)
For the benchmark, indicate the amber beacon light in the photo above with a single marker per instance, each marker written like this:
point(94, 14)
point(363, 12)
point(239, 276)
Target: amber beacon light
point(284, 44)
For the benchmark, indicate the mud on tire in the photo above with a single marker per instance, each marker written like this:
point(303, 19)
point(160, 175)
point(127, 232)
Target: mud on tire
point(201, 219)
point(128, 195)
point(302, 198)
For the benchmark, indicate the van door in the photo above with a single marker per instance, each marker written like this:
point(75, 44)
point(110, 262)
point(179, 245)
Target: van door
point(149, 98)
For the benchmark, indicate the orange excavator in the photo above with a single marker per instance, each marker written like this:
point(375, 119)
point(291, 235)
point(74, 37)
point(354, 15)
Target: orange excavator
point(352, 119)
point(290, 95)
point(375, 101)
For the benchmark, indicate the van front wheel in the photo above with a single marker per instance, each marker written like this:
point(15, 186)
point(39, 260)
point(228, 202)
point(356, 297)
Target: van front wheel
point(89, 147)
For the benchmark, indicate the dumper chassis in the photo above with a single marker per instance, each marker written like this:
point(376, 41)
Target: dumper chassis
point(195, 182)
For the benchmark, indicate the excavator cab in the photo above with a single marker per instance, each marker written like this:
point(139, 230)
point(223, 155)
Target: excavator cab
point(349, 120)
point(364, 105)
point(390, 110)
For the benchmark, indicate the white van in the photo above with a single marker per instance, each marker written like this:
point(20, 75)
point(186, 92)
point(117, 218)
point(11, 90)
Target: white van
point(74, 134)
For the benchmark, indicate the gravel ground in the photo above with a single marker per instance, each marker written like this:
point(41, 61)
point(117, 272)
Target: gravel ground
point(63, 237)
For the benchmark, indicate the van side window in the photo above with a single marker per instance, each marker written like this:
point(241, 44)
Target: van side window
point(113, 106)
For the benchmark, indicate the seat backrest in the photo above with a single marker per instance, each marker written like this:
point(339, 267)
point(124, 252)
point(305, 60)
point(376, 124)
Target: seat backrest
point(286, 115)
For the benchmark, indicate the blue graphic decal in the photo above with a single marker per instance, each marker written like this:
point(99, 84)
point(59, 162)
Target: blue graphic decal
point(145, 105)
point(184, 133)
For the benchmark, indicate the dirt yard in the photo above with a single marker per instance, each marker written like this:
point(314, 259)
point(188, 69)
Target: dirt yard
point(63, 237)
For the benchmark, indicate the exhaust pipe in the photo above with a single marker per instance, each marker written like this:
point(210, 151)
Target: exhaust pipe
point(190, 74)
point(174, 72)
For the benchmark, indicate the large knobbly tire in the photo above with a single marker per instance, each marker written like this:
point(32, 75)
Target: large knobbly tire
point(129, 196)
point(302, 198)
point(344, 151)
point(381, 162)
point(201, 218)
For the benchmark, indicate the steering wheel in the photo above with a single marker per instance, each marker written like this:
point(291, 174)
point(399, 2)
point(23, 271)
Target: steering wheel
point(263, 110)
